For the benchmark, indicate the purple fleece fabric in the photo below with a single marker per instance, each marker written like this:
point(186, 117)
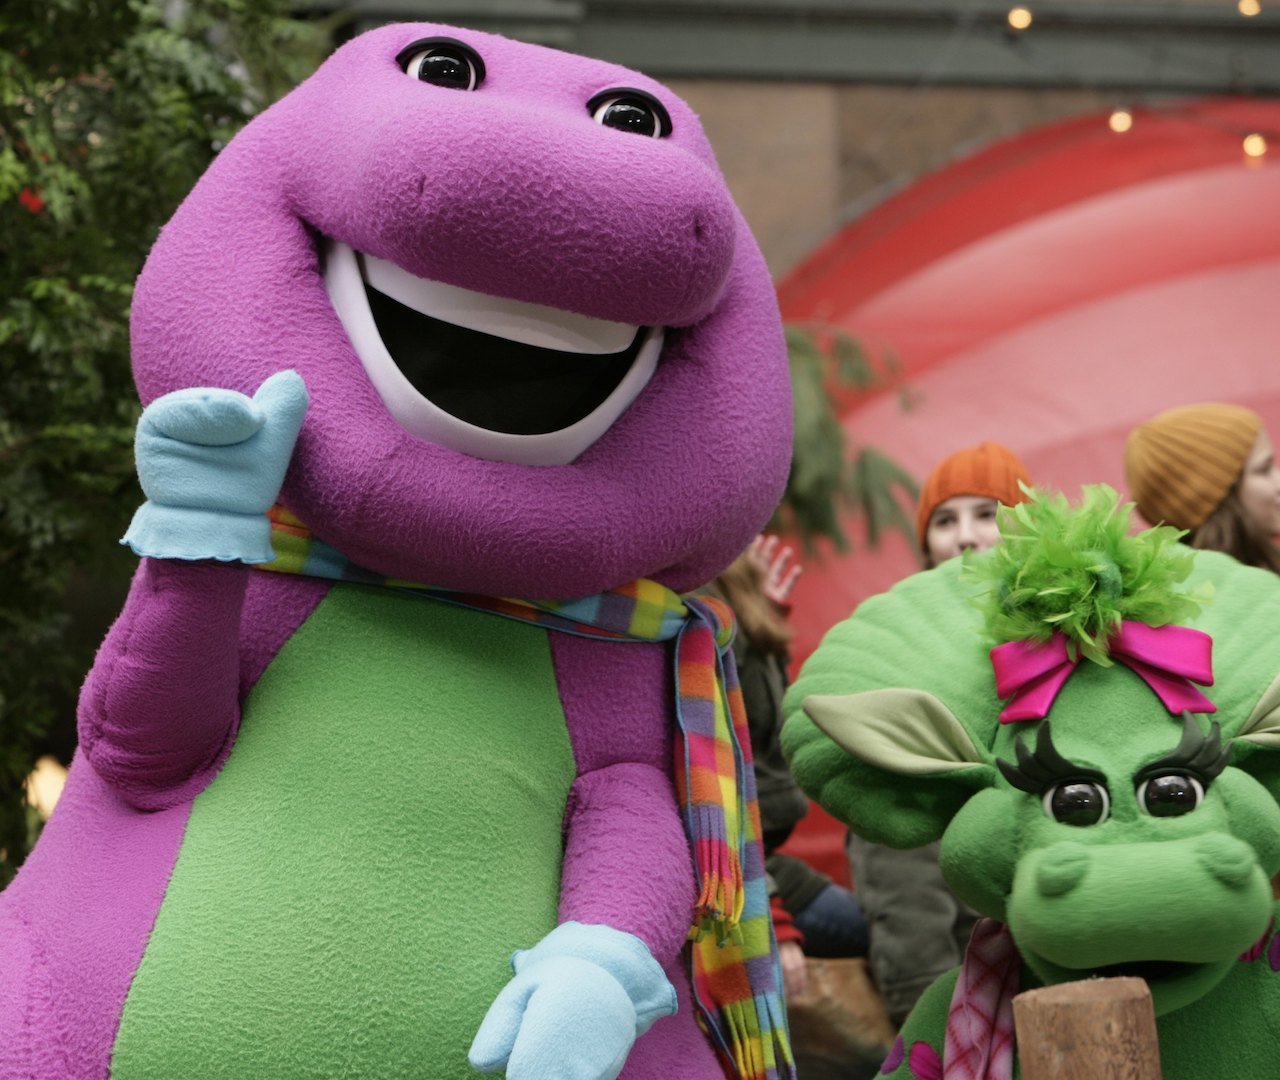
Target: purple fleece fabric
point(623, 826)
point(73, 926)
point(512, 190)
point(516, 191)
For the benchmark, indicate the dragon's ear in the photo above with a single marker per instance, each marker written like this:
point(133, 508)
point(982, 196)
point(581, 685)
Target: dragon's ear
point(887, 723)
point(1258, 739)
point(903, 764)
point(1263, 724)
point(1246, 687)
point(907, 732)
point(1241, 620)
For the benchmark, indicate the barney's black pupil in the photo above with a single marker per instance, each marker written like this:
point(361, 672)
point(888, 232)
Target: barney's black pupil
point(1078, 804)
point(1170, 796)
point(446, 67)
point(631, 116)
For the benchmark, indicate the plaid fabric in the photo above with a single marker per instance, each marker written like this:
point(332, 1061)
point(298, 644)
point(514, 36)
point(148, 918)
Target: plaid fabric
point(736, 975)
point(979, 1041)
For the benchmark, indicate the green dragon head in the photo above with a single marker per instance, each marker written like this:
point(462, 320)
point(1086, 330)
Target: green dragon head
point(1113, 826)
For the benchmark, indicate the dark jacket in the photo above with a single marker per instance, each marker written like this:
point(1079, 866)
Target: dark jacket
point(763, 676)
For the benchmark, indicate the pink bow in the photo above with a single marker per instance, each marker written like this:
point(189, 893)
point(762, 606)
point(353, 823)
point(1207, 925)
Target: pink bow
point(1168, 659)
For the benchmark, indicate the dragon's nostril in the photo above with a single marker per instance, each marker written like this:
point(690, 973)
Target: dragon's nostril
point(1062, 869)
point(1227, 859)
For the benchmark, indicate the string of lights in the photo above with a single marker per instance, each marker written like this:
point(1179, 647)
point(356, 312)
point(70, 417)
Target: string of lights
point(1254, 143)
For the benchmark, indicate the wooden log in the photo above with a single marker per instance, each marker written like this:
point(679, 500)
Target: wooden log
point(1096, 1029)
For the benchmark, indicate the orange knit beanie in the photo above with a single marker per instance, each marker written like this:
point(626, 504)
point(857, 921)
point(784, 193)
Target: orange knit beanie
point(988, 469)
point(1181, 464)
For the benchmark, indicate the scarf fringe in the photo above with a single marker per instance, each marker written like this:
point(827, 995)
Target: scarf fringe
point(754, 1039)
point(719, 905)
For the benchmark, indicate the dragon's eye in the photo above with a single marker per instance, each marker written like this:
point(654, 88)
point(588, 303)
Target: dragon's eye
point(631, 110)
point(442, 62)
point(1077, 802)
point(1170, 795)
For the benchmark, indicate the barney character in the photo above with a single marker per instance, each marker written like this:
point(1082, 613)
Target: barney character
point(406, 756)
point(1089, 722)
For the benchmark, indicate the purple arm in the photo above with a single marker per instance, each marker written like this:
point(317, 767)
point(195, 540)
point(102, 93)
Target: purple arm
point(627, 861)
point(162, 700)
point(161, 705)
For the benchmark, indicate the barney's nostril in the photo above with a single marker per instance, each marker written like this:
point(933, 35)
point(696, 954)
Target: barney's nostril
point(1061, 869)
point(1227, 859)
point(703, 227)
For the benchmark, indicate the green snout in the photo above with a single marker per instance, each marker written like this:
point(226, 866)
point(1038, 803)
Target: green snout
point(1176, 912)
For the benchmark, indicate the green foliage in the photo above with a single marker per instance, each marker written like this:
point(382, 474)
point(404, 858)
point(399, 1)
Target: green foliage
point(109, 112)
point(825, 367)
point(1078, 571)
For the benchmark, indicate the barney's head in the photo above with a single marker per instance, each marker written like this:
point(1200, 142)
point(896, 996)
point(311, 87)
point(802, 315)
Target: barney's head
point(542, 350)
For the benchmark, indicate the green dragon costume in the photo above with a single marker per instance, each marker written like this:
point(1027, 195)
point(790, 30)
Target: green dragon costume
point(1116, 816)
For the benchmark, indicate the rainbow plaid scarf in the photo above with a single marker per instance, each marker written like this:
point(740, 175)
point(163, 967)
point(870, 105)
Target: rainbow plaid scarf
point(736, 977)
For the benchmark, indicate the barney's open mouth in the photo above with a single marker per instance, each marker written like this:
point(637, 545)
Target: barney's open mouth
point(490, 377)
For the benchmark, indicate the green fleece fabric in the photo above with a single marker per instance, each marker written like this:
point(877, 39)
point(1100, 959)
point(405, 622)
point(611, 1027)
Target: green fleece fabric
point(1190, 888)
point(1237, 1013)
point(385, 833)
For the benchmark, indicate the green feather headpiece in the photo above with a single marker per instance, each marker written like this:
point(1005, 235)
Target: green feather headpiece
point(1076, 570)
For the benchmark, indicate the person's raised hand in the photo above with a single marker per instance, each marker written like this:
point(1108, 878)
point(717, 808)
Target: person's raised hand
point(776, 561)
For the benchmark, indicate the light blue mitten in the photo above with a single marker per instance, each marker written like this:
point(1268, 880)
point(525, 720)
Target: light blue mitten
point(211, 463)
point(579, 1000)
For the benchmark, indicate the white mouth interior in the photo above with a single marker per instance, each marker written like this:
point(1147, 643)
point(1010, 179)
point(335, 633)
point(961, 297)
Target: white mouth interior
point(529, 324)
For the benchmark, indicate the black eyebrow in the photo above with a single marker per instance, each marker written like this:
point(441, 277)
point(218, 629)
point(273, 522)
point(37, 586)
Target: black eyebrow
point(1197, 753)
point(1036, 773)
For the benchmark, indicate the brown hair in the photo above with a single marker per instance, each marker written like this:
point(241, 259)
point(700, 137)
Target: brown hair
point(742, 587)
point(1226, 529)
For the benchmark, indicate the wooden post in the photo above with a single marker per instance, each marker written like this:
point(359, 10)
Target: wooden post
point(1096, 1029)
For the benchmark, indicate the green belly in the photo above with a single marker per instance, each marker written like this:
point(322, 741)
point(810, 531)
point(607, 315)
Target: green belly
point(352, 884)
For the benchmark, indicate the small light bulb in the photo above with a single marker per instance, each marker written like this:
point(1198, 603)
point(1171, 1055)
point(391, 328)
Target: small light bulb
point(1020, 17)
point(1255, 145)
point(1249, 8)
point(1120, 121)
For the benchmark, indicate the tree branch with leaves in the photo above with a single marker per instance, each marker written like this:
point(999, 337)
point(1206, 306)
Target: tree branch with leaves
point(830, 370)
point(109, 113)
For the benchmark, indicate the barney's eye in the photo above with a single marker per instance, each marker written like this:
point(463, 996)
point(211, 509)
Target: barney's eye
point(631, 110)
point(1077, 802)
point(443, 62)
point(1171, 795)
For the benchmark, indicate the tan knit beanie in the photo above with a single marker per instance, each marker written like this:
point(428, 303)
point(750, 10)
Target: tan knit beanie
point(1181, 464)
point(988, 469)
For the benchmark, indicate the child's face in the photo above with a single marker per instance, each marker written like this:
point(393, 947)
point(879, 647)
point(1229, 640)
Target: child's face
point(961, 523)
point(1259, 488)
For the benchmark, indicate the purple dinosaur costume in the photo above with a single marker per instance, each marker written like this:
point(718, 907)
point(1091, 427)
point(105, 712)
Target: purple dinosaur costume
point(310, 820)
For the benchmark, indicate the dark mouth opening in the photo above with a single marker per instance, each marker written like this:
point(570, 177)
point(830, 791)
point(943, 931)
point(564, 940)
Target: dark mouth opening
point(1151, 970)
point(494, 383)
